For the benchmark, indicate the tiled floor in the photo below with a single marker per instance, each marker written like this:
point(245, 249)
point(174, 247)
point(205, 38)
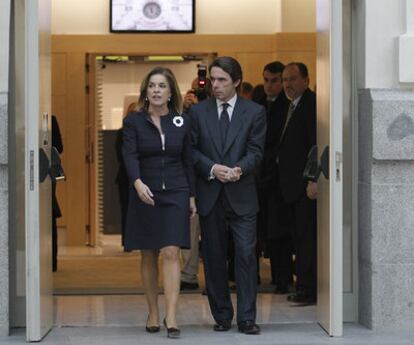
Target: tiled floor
point(131, 310)
point(120, 320)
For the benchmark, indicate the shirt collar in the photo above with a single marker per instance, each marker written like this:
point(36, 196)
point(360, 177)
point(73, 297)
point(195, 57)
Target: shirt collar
point(295, 102)
point(231, 102)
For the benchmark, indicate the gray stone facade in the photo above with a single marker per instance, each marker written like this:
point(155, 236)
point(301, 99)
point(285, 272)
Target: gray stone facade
point(386, 209)
point(4, 167)
point(4, 218)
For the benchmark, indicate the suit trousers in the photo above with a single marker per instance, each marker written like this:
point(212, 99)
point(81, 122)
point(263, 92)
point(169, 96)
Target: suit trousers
point(190, 257)
point(214, 248)
point(303, 228)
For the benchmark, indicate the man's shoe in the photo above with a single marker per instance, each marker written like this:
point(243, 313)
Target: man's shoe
point(302, 298)
point(281, 289)
point(188, 286)
point(249, 327)
point(222, 326)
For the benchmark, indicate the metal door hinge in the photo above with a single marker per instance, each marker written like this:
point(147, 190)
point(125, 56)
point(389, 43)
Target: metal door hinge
point(31, 170)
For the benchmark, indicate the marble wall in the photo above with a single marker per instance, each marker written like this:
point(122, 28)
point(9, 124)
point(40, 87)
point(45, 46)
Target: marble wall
point(4, 195)
point(386, 209)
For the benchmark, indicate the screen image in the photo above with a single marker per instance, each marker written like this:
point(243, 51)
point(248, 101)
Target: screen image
point(152, 15)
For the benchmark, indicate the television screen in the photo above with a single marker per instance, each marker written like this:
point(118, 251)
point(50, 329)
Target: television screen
point(152, 15)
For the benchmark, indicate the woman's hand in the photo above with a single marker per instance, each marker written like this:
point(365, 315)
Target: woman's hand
point(193, 207)
point(144, 192)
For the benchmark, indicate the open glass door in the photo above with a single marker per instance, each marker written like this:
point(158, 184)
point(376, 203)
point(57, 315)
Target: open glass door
point(35, 18)
point(329, 131)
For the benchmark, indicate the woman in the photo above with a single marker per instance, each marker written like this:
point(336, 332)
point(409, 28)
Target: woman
point(157, 155)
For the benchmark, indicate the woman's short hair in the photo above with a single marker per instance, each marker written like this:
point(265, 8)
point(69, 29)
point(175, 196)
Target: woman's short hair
point(229, 65)
point(176, 101)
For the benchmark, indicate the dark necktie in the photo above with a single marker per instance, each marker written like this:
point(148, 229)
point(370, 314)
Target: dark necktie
point(224, 122)
point(288, 117)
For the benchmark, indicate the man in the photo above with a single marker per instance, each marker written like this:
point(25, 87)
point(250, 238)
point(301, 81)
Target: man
point(190, 257)
point(246, 90)
point(297, 137)
point(273, 226)
point(228, 139)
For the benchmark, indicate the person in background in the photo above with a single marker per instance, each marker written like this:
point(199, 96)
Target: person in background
point(56, 212)
point(190, 257)
point(246, 90)
point(157, 154)
point(298, 136)
point(122, 176)
point(191, 98)
point(273, 223)
point(258, 94)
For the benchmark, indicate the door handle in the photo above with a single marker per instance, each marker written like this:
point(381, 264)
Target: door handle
point(314, 166)
point(56, 170)
point(44, 165)
point(312, 169)
point(324, 162)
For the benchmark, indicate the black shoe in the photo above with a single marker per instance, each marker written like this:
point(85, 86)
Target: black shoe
point(281, 289)
point(152, 329)
point(222, 326)
point(188, 286)
point(249, 327)
point(172, 332)
point(302, 298)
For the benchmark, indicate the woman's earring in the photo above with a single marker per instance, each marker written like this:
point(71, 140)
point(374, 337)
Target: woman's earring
point(146, 99)
point(169, 99)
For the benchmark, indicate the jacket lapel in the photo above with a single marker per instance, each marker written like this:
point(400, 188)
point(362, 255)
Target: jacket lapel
point(213, 124)
point(235, 125)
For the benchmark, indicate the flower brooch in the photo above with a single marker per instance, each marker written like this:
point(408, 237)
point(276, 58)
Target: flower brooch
point(178, 121)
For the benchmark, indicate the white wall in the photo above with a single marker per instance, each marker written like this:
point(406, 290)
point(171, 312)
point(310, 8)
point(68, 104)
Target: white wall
point(4, 41)
point(212, 16)
point(120, 80)
point(298, 16)
point(377, 42)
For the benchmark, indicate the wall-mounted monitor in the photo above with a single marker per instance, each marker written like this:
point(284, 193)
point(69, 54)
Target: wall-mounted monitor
point(175, 16)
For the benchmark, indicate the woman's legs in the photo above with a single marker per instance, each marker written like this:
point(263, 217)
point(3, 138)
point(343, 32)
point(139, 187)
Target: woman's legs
point(172, 272)
point(149, 272)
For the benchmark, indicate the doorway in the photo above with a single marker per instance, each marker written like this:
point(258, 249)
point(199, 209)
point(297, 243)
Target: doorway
point(73, 59)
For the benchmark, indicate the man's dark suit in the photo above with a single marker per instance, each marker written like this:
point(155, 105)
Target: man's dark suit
point(230, 205)
point(292, 152)
point(273, 223)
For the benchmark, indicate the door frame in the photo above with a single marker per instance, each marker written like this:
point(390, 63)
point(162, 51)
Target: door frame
point(354, 207)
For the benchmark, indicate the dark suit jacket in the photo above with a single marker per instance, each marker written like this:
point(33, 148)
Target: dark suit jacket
point(294, 147)
point(275, 117)
point(243, 147)
point(271, 219)
point(144, 157)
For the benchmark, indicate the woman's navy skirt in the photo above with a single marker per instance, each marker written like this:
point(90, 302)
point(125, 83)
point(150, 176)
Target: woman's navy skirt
point(165, 224)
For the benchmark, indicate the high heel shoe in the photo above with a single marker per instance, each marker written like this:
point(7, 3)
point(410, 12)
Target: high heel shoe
point(172, 332)
point(151, 329)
